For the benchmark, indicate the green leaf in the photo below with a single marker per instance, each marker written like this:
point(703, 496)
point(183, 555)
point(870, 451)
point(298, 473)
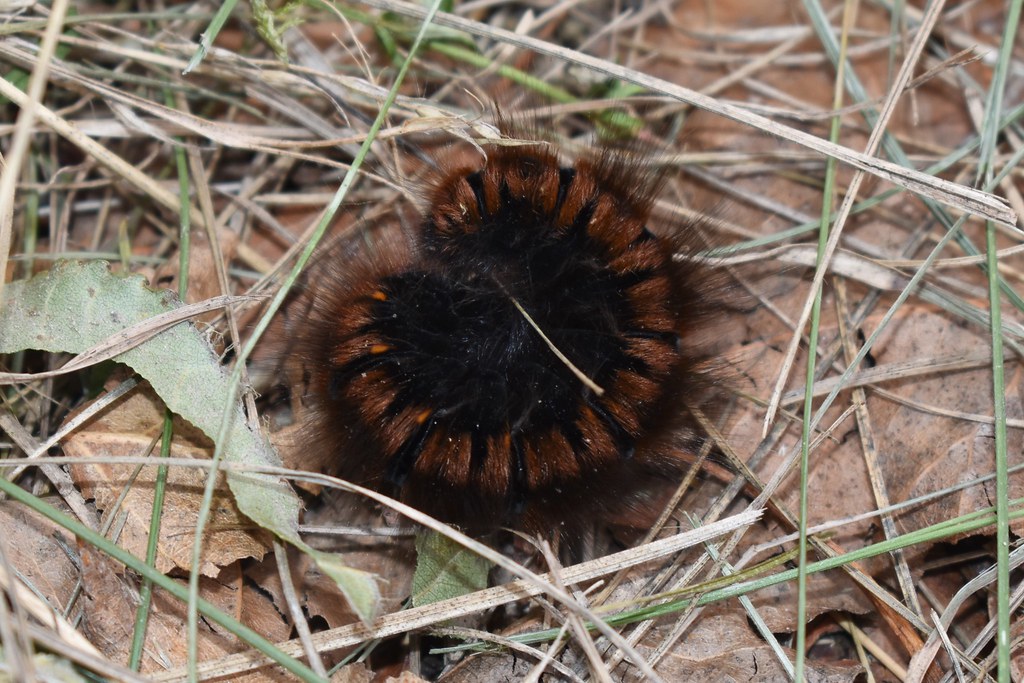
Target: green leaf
point(400, 28)
point(444, 569)
point(75, 306)
point(359, 587)
point(387, 42)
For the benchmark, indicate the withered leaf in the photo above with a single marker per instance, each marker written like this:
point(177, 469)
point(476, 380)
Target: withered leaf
point(127, 428)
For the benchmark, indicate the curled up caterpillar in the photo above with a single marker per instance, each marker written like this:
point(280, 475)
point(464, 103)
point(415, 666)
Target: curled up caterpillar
point(524, 359)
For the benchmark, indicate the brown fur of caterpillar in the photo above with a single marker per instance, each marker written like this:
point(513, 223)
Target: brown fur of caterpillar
point(524, 357)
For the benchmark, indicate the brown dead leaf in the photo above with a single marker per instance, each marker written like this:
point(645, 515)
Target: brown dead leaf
point(111, 600)
point(487, 666)
point(202, 272)
point(109, 613)
point(39, 555)
point(109, 604)
point(352, 673)
point(234, 593)
point(838, 487)
point(826, 593)
point(921, 452)
point(127, 428)
point(245, 604)
point(722, 647)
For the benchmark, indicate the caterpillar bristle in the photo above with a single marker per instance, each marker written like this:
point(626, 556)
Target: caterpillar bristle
point(524, 358)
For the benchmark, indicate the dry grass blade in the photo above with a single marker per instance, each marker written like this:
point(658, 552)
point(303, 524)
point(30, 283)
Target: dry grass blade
point(31, 602)
point(836, 230)
point(438, 612)
point(145, 184)
point(29, 105)
point(900, 370)
point(957, 196)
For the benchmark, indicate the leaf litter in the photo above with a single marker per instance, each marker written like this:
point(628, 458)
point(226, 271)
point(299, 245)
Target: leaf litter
point(929, 429)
